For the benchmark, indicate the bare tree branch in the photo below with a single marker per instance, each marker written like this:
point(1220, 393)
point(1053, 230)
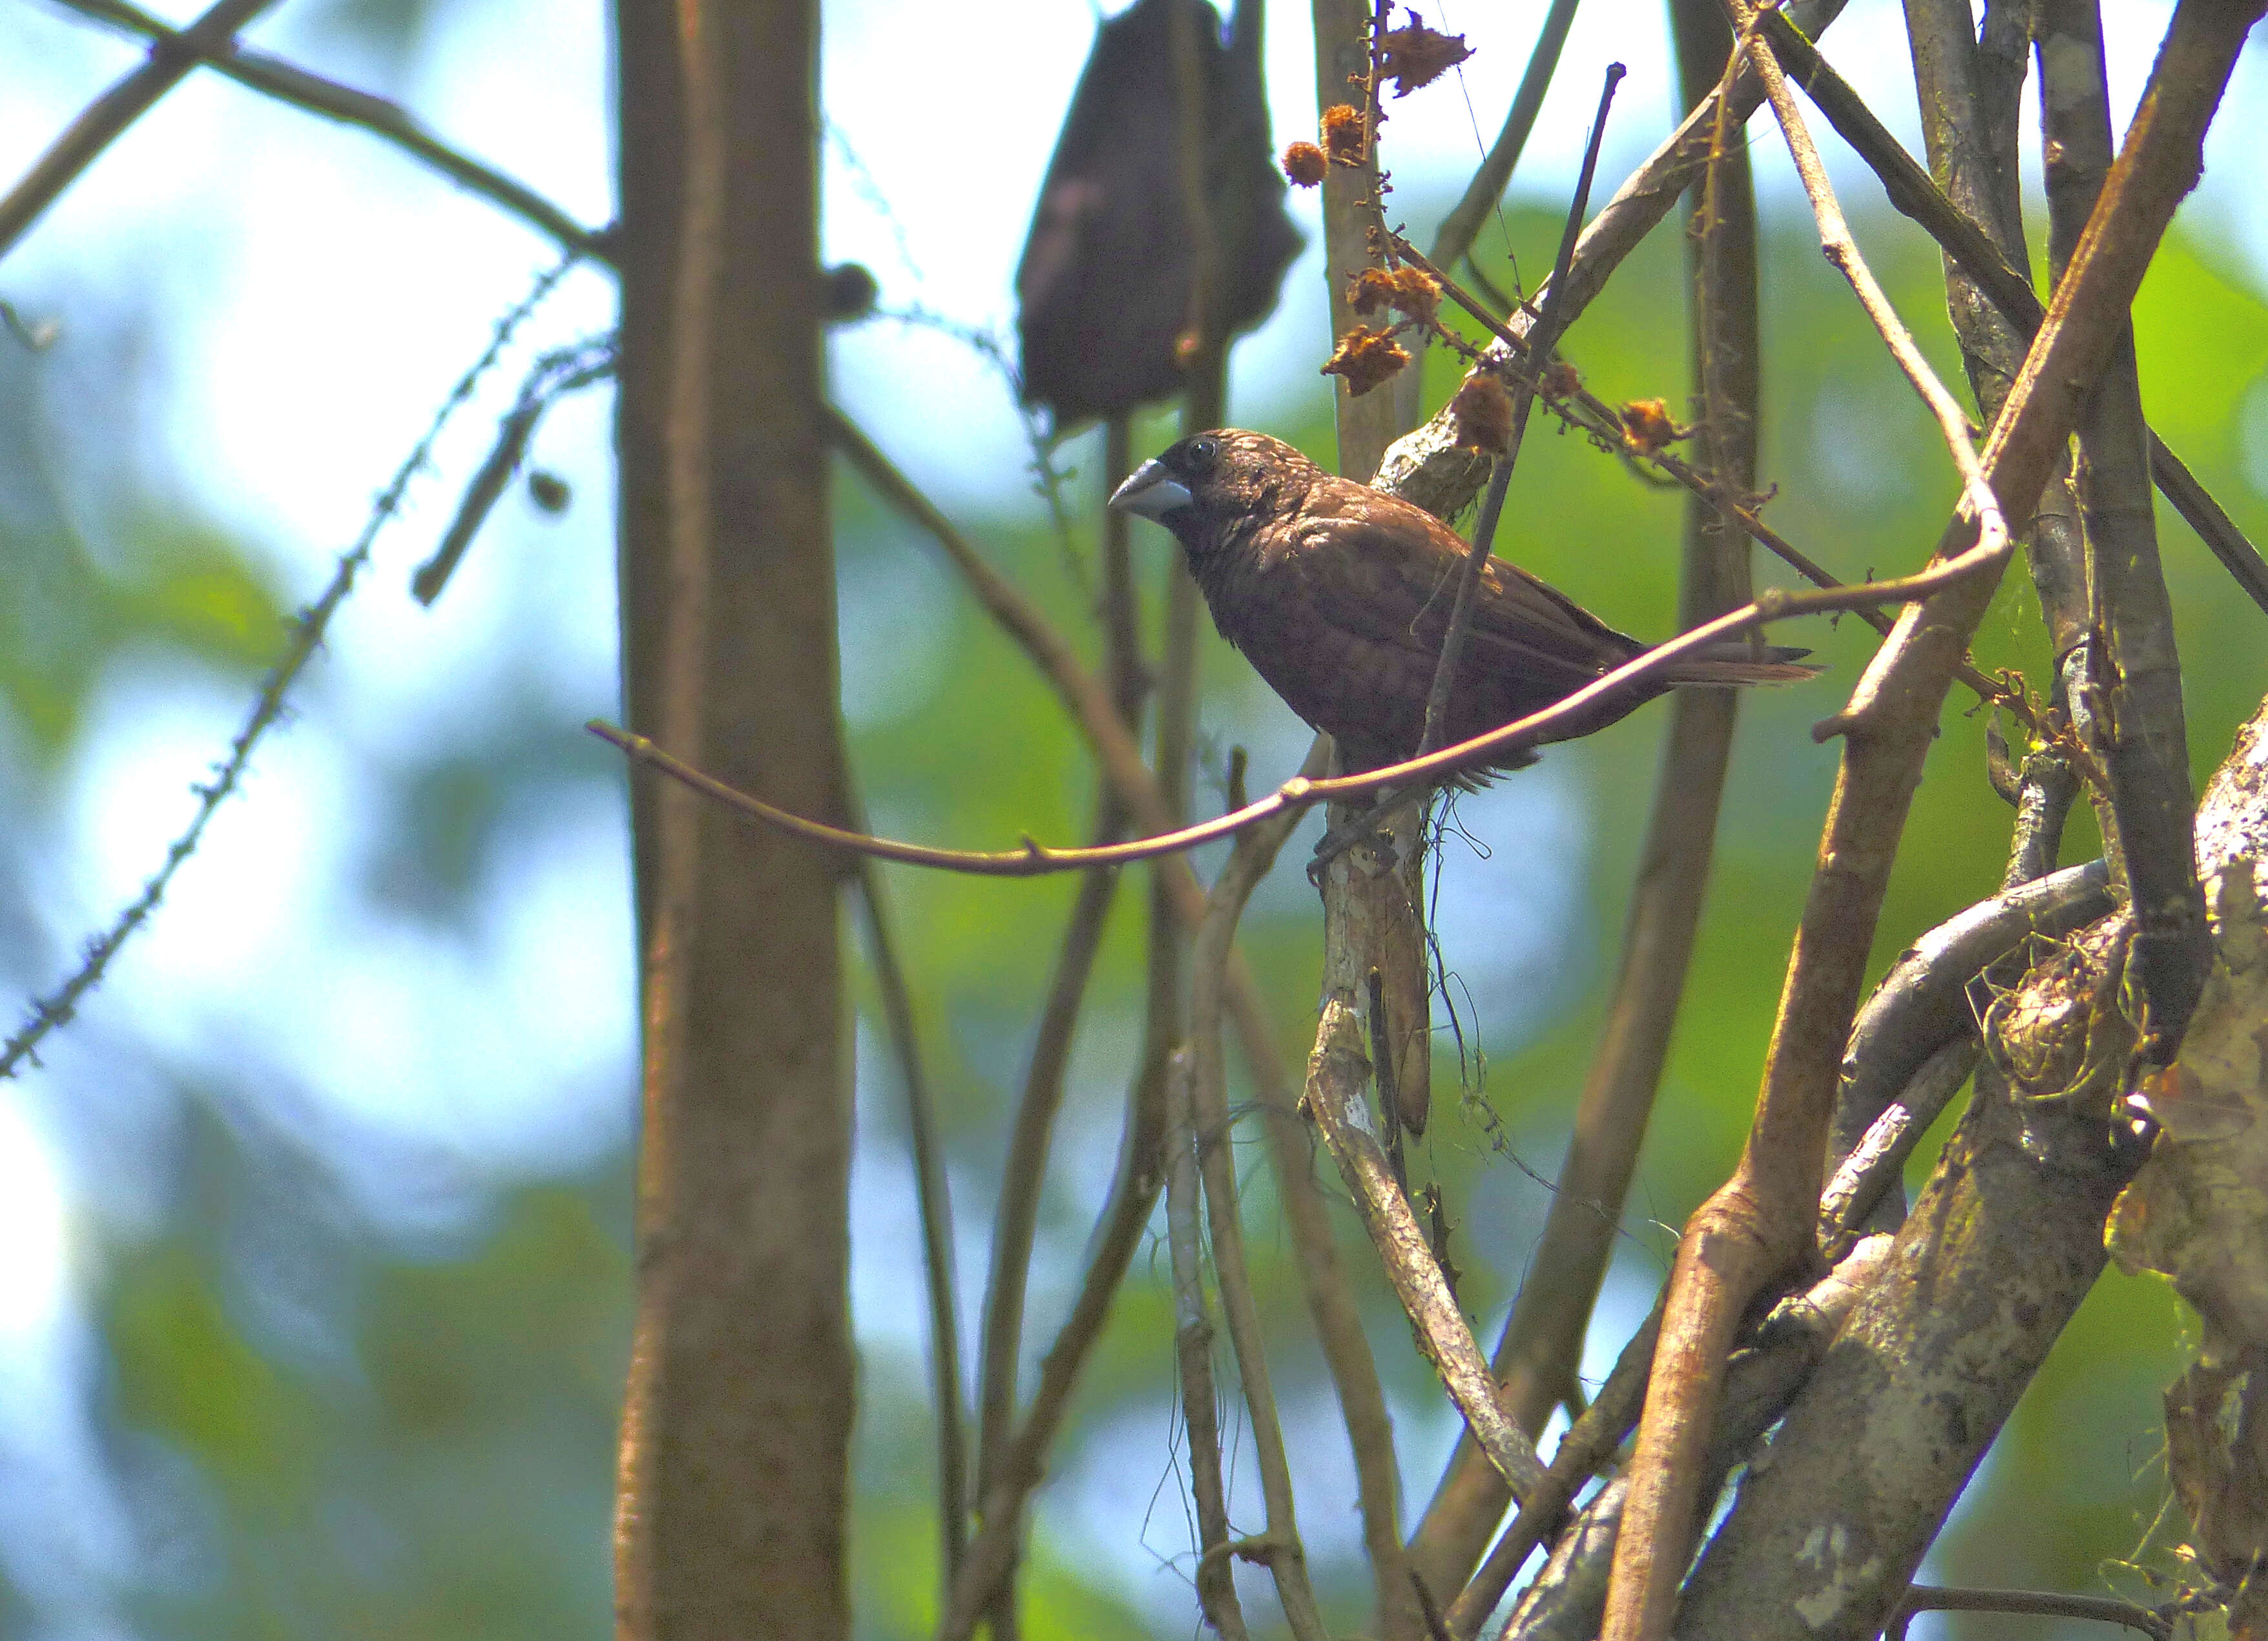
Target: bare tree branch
point(288, 82)
point(1336, 1073)
point(933, 1197)
point(1763, 1218)
point(2131, 656)
point(1543, 1334)
point(106, 118)
point(1192, 1336)
point(1036, 859)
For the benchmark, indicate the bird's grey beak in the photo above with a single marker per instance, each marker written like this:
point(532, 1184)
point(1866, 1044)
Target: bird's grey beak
point(1154, 492)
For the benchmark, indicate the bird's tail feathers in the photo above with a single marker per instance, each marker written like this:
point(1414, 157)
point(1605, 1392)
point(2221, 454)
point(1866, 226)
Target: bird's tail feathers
point(1736, 662)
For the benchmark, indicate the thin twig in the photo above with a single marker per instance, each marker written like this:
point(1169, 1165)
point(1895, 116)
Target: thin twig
point(1994, 274)
point(1462, 226)
point(288, 82)
point(1036, 859)
point(106, 118)
point(1192, 1336)
point(1549, 328)
point(306, 638)
point(1255, 852)
point(1922, 1598)
point(932, 1195)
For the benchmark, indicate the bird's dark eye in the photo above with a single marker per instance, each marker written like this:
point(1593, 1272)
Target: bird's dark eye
point(1203, 452)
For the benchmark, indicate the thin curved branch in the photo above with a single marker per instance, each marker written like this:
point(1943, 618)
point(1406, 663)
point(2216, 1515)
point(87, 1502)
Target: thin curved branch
point(1036, 859)
point(1462, 226)
point(1923, 1597)
point(107, 117)
point(1192, 1336)
point(289, 82)
point(933, 1195)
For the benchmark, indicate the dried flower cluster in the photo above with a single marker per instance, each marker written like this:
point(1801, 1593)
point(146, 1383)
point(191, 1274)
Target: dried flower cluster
point(1305, 164)
point(1483, 414)
point(1366, 357)
point(1560, 378)
point(1405, 290)
point(1416, 55)
point(1342, 134)
point(1648, 424)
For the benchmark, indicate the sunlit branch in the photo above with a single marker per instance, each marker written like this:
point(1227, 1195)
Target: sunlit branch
point(1036, 859)
point(1912, 192)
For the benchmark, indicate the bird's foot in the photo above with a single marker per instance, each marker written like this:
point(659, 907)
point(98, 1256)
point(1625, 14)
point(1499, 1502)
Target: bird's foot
point(1369, 828)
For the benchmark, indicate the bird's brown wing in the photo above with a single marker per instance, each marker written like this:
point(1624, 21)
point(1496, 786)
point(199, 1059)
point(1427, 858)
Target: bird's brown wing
point(1387, 570)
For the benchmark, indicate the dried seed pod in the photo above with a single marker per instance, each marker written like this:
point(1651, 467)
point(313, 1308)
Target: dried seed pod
point(1366, 357)
point(1482, 410)
point(1415, 56)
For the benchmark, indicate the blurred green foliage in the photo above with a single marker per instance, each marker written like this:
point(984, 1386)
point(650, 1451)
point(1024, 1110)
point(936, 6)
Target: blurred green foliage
point(431, 1453)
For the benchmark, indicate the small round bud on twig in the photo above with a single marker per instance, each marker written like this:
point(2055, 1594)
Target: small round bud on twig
point(548, 491)
point(851, 292)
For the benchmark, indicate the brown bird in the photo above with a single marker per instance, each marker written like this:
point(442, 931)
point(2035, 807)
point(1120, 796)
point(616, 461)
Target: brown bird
point(1339, 595)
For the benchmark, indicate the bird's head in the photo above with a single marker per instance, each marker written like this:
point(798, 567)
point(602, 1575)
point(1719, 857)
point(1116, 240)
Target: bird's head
point(1204, 488)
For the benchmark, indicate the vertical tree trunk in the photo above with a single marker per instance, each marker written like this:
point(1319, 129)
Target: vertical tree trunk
point(736, 1428)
